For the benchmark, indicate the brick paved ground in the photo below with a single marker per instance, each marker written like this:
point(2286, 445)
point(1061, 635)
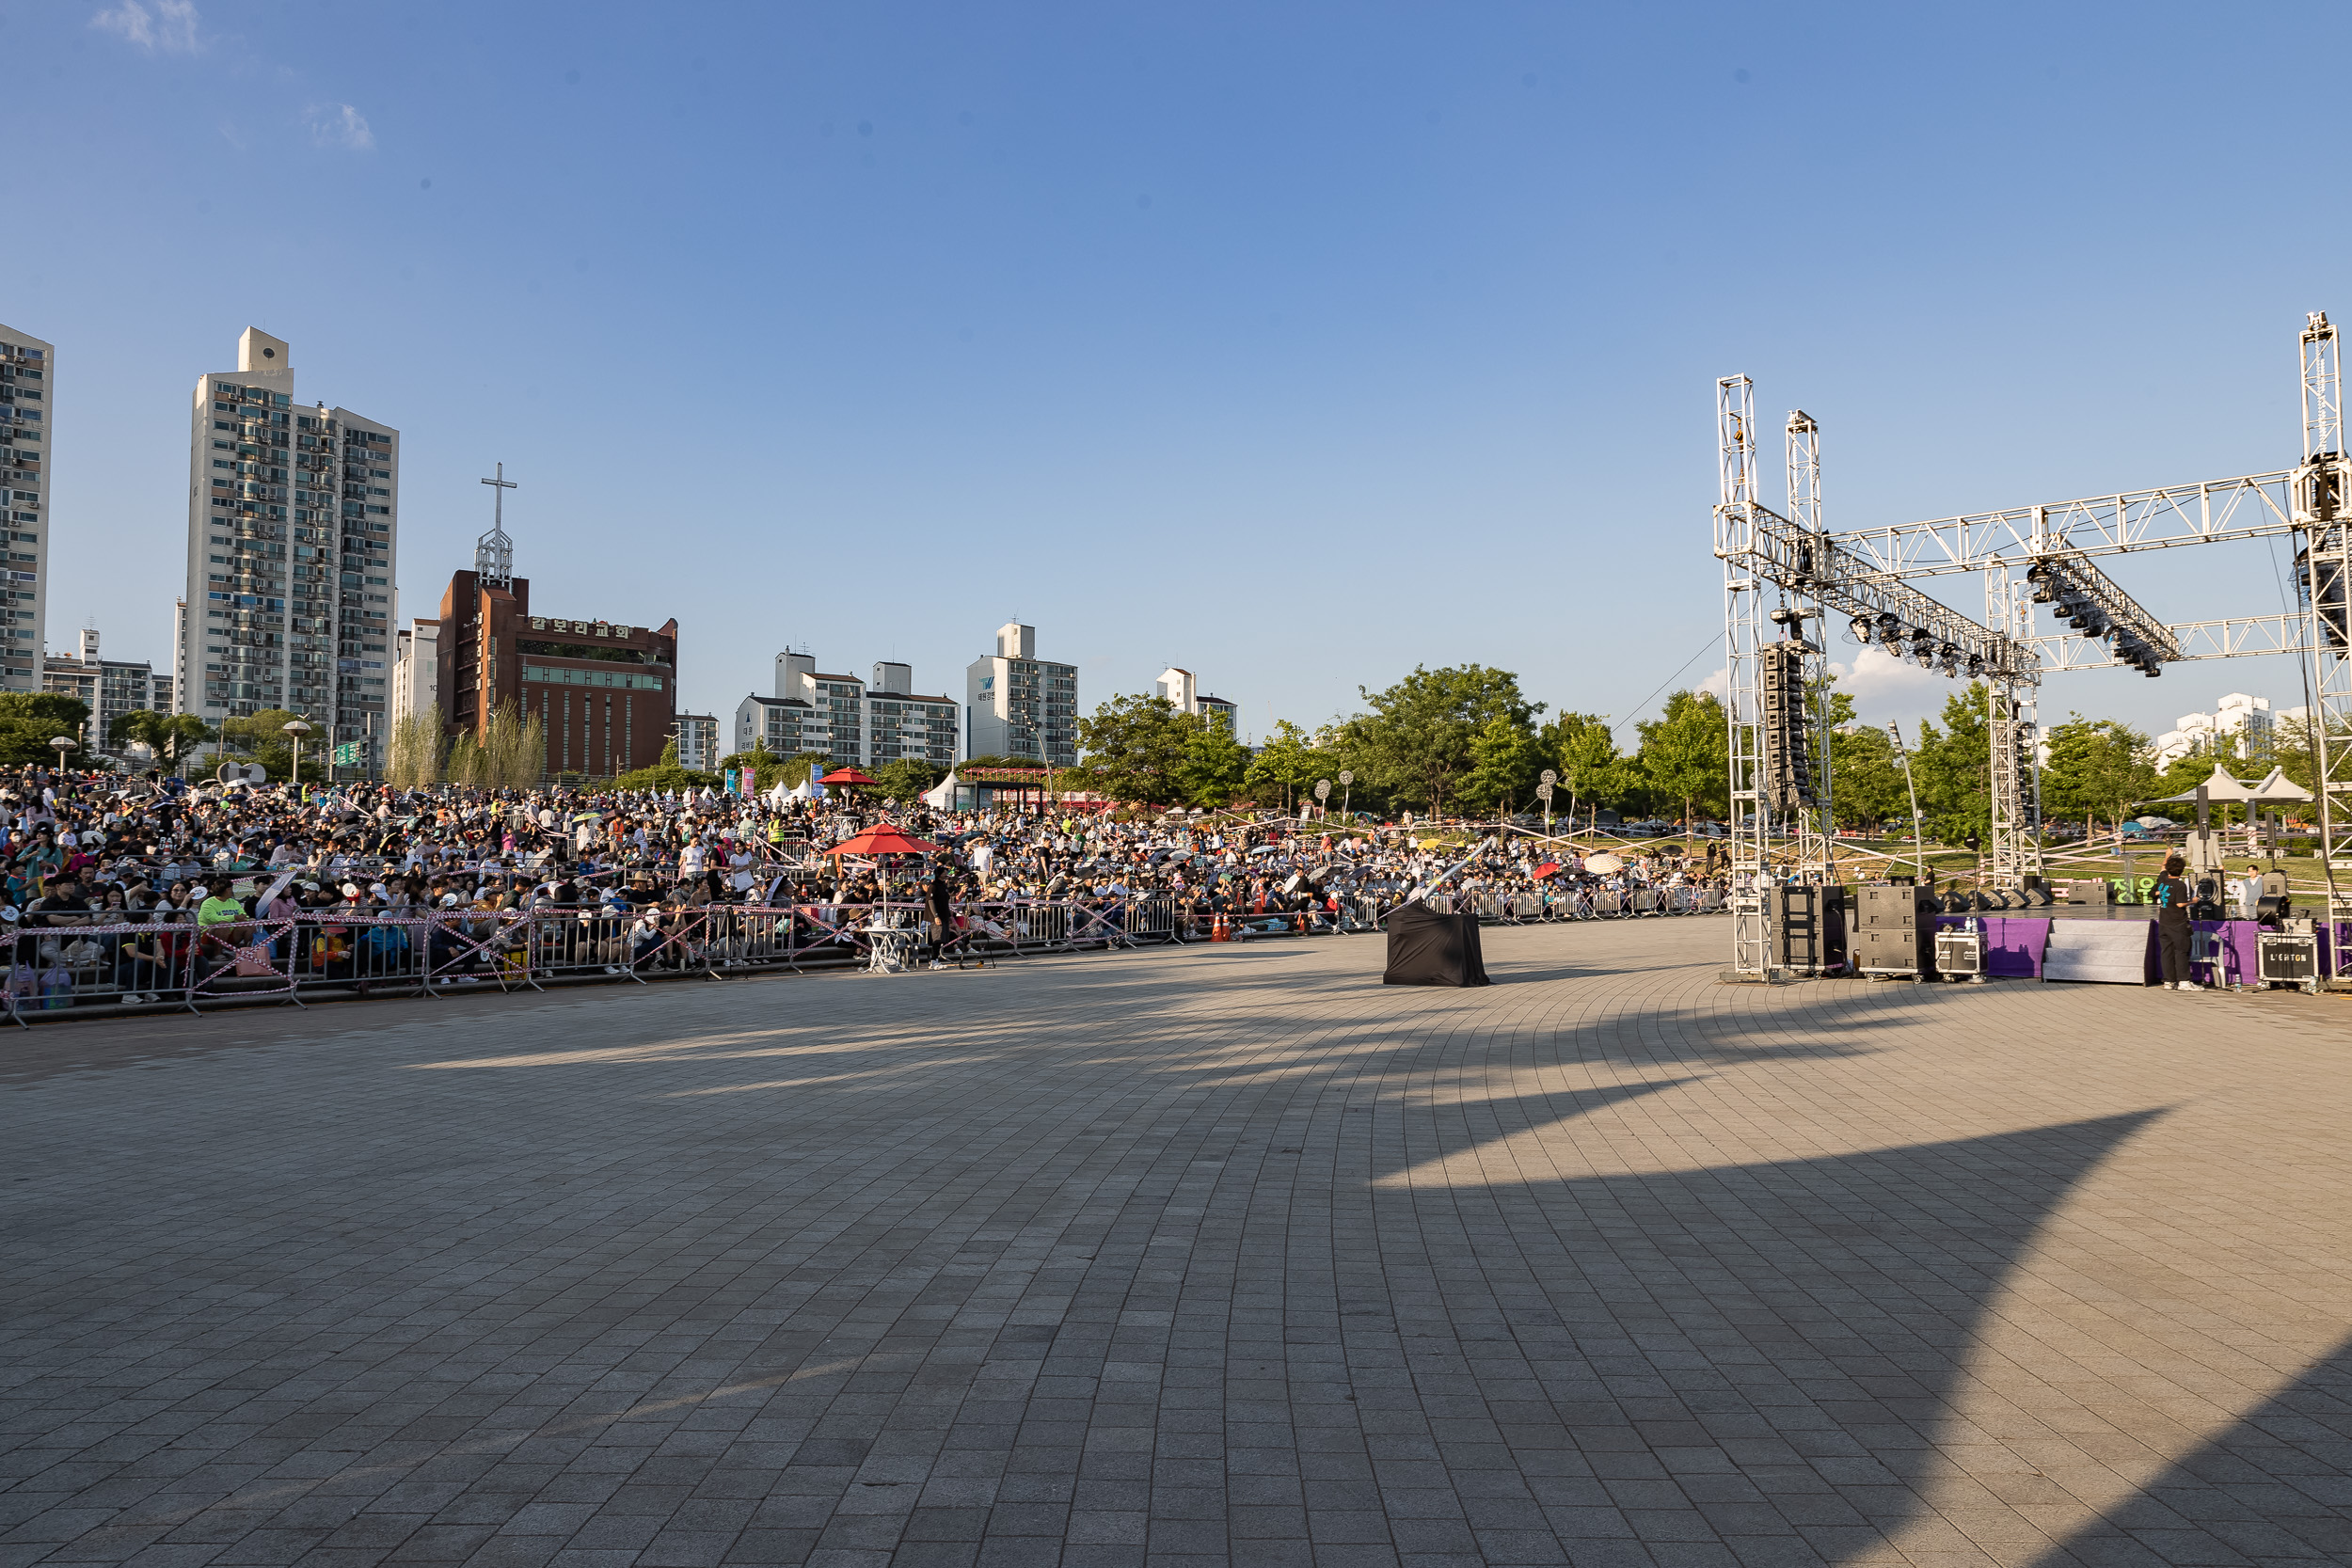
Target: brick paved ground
point(1217, 1256)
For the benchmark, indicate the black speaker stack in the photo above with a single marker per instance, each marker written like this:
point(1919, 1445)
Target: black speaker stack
point(1893, 930)
point(1808, 925)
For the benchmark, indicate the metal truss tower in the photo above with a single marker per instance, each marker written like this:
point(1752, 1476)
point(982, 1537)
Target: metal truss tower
point(1735, 509)
point(1815, 825)
point(2323, 573)
point(1867, 576)
point(2013, 735)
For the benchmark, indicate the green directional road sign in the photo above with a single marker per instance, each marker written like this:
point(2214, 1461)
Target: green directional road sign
point(347, 755)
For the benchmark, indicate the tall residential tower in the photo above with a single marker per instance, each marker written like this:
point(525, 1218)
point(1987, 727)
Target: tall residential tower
point(28, 368)
point(1021, 705)
point(293, 521)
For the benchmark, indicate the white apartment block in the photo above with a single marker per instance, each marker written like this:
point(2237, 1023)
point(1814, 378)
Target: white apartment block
point(1183, 692)
point(292, 521)
point(416, 668)
point(698, 742)
point(845, 720)
point(1021, 705)
point(28, 373)
point(108, 687)
point(2245, 721)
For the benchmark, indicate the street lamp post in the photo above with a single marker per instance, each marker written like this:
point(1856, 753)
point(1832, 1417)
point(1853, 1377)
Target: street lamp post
point(64, 743)
point(1543, 787)
point(1347, 791)
point(297, 729)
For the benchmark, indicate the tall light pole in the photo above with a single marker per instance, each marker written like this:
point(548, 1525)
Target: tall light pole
point(1347, 792)
point(64, 743)
point(297, 729)
point(1918, 830)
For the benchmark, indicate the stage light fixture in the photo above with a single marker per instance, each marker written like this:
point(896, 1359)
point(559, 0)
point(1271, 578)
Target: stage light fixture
point(1949, 655)
point(1859, 628)
point(1976, 667)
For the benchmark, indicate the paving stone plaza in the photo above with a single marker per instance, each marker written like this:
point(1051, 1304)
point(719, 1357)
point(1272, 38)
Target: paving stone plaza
point(1218, 1255)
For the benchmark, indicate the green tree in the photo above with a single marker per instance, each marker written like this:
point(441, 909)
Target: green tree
point(1505, 759)
point(1286, 766)
point(30, 720)
point(172, 737)
point(2099, 768)
point(1586, 754)
point(1686, 754)
point(1865, 781)
point(1954, 767)
point(1416, 744)
point(1214, 762)
point(901, 781)
point(262, 737)
point(659, 777)
point(1134, 749)
point(766, 766)
point(54, 708)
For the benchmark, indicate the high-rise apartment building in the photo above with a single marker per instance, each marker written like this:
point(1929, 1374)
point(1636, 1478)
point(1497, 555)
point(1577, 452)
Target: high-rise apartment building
point(1183, 692)
point(28, 382)
point(416, 668)
point(698, 742)
point(294, 518)
point(845, 720)
point(2239, 723)
point(109, 688)
point(1019, 704)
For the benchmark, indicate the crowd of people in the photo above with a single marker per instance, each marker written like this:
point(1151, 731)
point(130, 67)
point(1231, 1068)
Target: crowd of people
point(135, 887)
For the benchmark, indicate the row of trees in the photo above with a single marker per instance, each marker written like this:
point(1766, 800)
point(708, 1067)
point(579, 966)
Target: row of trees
point(1466, 739)
point(1457, 739)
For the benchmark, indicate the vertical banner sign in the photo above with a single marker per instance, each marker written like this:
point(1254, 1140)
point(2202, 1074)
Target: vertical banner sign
point(751, 785)
point(730, 781)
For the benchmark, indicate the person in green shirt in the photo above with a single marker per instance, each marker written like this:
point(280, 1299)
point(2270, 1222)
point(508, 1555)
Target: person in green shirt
point(218, 909)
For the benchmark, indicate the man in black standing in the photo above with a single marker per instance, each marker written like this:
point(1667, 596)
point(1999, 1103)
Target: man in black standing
point(2172, 898)
point(938, 906)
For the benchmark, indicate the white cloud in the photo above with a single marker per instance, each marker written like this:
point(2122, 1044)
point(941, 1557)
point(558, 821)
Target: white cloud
point(168, 26)
point(1717, 685)
point(340, 125)
point(1884, 687)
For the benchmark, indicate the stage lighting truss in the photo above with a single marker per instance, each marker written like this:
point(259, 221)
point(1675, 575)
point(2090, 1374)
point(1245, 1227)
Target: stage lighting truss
point(1900, 618)
point(2087, 600)
point(1864, 576)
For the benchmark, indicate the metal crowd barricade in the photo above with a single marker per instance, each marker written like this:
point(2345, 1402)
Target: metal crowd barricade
point(1153, 919)
point(580, 944)
point(469, 947)
point(60, 969)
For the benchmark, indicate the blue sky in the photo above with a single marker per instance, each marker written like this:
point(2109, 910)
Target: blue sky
point(1296, 345)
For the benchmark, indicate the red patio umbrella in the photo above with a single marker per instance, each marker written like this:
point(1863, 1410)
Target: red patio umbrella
point(847, 776)
point(884, 839)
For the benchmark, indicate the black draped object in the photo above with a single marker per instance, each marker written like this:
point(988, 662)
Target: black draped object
point(1427, 948)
